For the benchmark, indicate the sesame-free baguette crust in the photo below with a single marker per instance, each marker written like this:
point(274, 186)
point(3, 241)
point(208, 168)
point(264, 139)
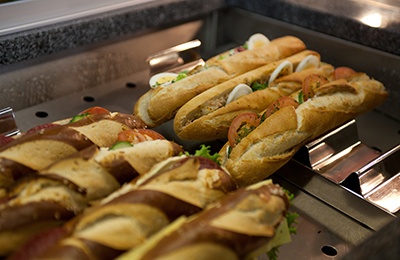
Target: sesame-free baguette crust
point(189, 123)
point(280, 136)
point(160, 104)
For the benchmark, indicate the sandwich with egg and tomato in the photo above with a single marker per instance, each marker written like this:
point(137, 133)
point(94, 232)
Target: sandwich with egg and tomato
point(208, 116)
point(261, 143)
point(169, 92)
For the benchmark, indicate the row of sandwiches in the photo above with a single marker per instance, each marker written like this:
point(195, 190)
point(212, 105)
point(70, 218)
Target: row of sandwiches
point(104, 185)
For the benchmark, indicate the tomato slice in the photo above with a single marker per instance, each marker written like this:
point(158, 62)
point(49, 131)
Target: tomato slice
point(134, 136)
point(343, 72)
point(280, 103)
point(40, 127)
point(90, 111)
point(311, 83)
point(95, 111)
point(5, 140)
point(241, 126)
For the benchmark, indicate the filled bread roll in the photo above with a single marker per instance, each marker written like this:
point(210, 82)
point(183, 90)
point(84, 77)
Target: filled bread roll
point(179, 186)
point(160, 104)
point(242, 225)
point(288, 124)
point(208, 116)
point(39, 147)
point(67, 187)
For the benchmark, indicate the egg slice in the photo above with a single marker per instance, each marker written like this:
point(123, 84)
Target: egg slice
point(237, 92)
point(308, 62)
point(257, 40)
point(162, 79)
point(285, 65)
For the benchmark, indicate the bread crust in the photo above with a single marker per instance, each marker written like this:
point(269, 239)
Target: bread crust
point(67, 187)
point(274, 142)
point(207, 117)
point(177, 186)
point(160, 104)
point(238, 227)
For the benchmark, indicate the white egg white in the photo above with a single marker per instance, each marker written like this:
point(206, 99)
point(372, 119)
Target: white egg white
point(257, 40)
point(162, 79)
point(285, 64)
point(307, 62)
point(238, 91)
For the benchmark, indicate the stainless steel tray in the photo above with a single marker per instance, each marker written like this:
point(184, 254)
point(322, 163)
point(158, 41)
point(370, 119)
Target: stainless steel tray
point(334, 216)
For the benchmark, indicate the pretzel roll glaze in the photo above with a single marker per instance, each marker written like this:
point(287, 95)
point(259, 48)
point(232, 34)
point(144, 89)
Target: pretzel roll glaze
point(175, 187)
point(209, 115)
point(67, 187)
point(43, 145)
point(274, 142)
point(240, 226)
point(160, 104)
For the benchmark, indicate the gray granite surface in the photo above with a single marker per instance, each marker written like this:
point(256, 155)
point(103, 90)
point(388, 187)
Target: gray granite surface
point(337, 18)
point(35, 43)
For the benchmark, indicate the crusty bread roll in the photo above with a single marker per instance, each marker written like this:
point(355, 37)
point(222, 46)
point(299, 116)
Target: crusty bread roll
point(160, 104)
point(175, 187)
point(36, 150)
point(208, 117)
point(279, 137)
point(240, 226)
point(65, 188)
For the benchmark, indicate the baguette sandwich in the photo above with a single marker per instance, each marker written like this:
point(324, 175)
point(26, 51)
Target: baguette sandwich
point(178, 186)
point(67, 187)
point(160, 103)
point(209, 115)
point(259, 144)
point(243, 225)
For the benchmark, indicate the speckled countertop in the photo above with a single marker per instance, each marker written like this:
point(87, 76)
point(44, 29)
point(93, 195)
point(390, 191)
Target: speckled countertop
point(373, 23)
point(346, 19)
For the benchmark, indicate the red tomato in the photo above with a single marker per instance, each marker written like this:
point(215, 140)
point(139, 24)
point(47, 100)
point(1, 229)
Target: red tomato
point(280, 103)
point(40, 127)
point(5, 140)
point(139, 135)
point(343, 72)
point(241, 126)
point(95, 111)
point(311, 83)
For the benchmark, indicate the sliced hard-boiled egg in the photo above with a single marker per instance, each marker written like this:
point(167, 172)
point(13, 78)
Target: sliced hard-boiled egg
point(308, 62)
point(238, 91)
point(286, 67)
point(257, 40)
point(162, 79)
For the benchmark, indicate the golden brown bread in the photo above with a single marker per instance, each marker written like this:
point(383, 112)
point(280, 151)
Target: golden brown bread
point(175, 187)
point(208, 117)
point(240, 226)
point(279, 137)
point(160, 104)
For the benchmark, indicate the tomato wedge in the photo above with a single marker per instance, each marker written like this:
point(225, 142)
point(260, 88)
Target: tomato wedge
point(95, 111)
point(343, 72)
point(5, 140)
point(241, 126)
point(311, 83)
point(90, 111)
point(40, 127)
point(280, 103)
point(134, 136)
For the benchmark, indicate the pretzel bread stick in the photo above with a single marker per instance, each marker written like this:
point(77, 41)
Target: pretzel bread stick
point(175, 187)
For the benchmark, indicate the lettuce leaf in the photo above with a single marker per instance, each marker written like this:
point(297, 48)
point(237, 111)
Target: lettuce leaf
point(205, 151)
